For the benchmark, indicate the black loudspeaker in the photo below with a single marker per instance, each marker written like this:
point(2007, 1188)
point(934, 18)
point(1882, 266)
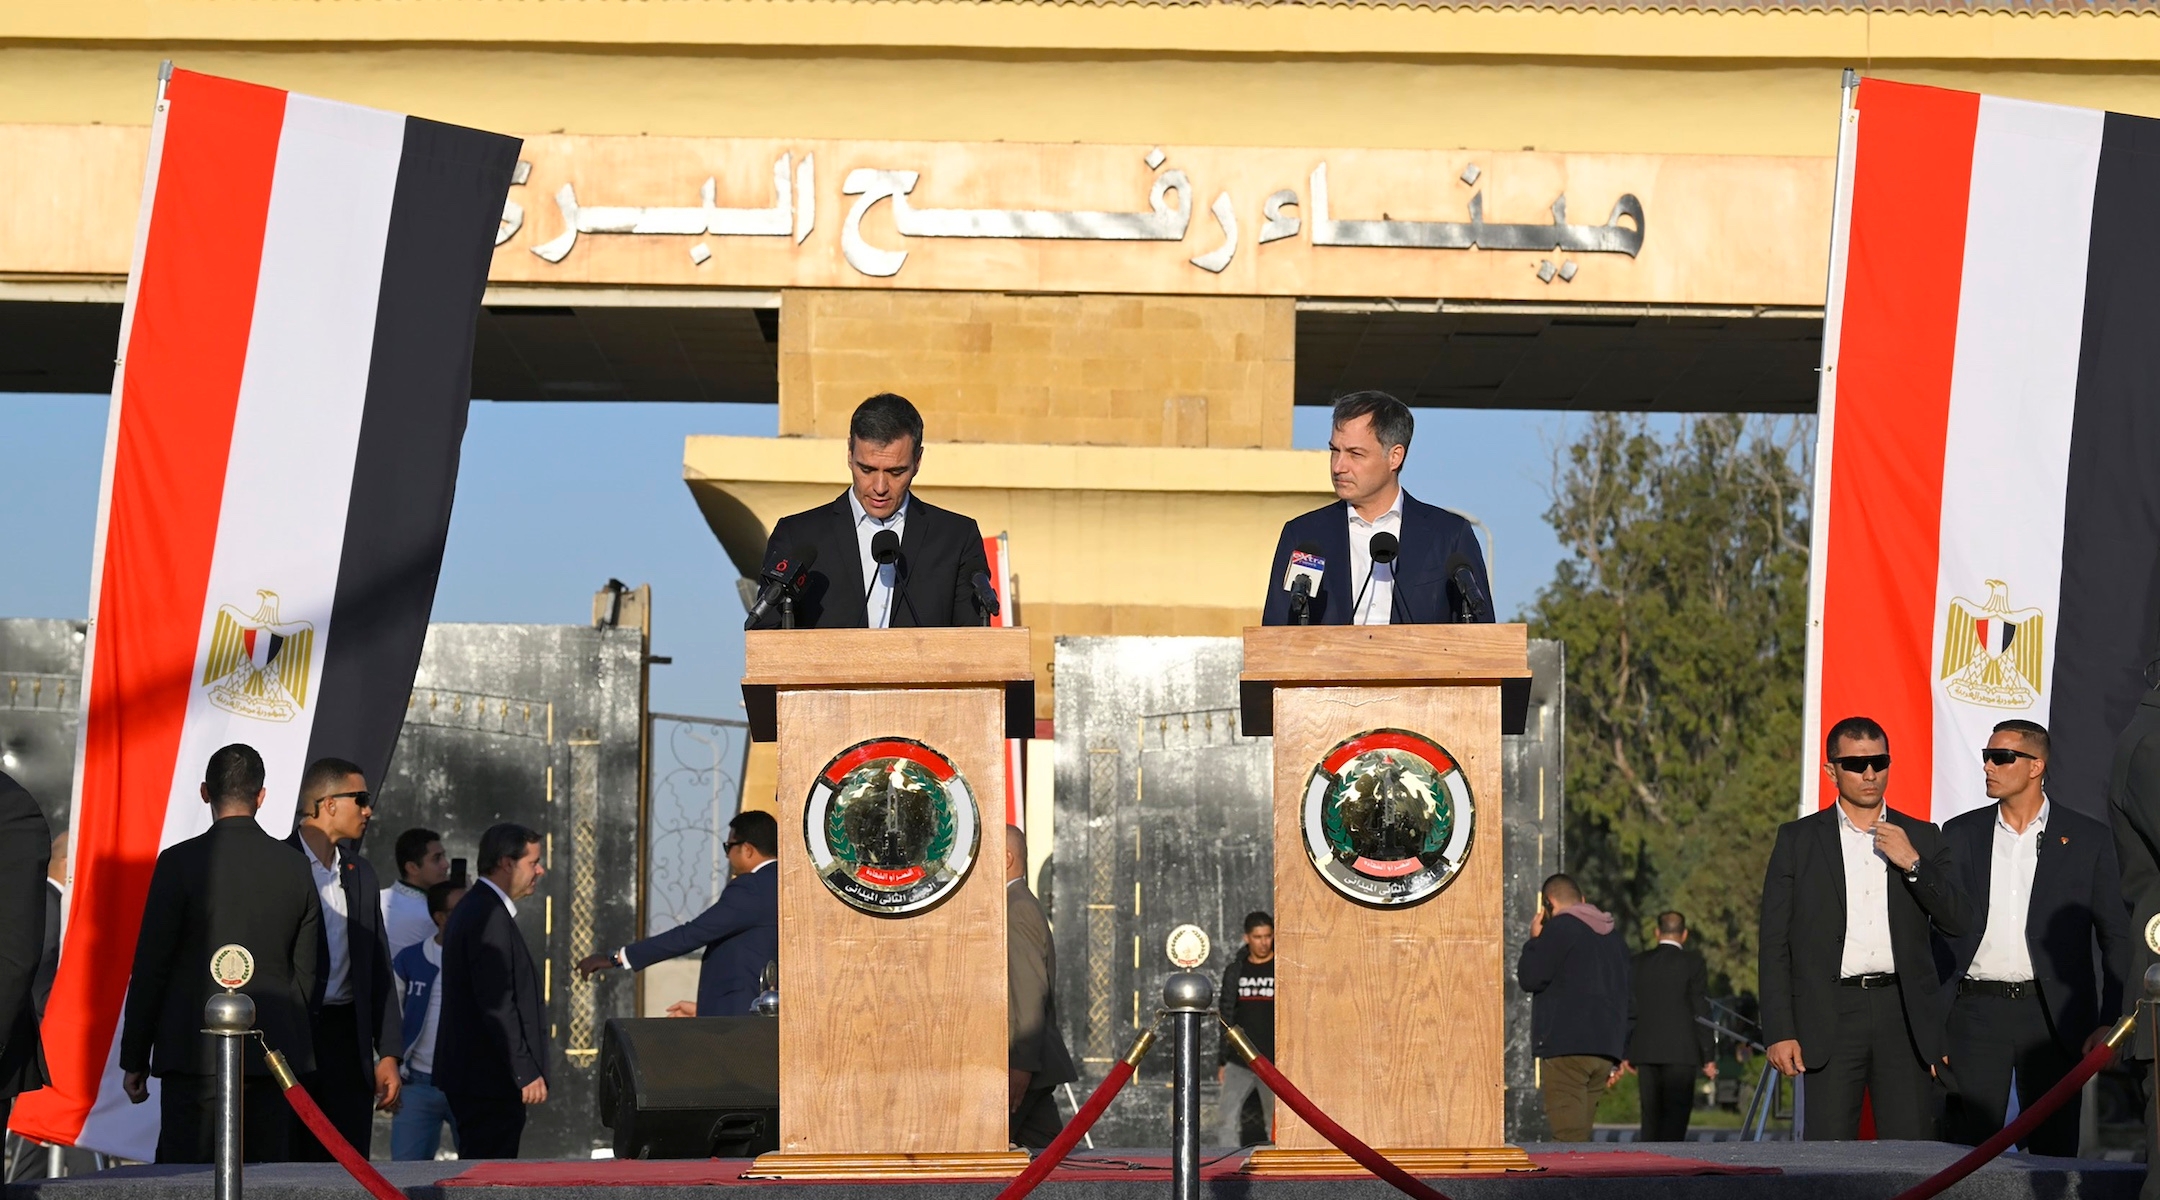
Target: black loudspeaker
point(691, 1087)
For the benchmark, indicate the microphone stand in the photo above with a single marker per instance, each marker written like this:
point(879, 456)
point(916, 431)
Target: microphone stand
point(1361, 592)
point(900, 582)
point(787, 609)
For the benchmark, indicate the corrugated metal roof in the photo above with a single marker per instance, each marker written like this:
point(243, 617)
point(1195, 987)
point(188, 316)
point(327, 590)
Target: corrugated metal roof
point(2015, 7)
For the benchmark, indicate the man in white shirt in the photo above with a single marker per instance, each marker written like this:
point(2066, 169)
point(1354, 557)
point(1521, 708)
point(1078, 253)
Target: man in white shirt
point(1848, 976)
point(354, 1015)
point(1428, 568)
point(421, 864)
point(2044, 886)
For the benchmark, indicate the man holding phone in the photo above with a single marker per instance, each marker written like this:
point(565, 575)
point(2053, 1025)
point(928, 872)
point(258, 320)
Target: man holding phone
point(1849, 987)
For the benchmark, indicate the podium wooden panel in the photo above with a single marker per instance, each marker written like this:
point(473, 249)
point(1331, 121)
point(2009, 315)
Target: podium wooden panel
point(892, 1029)
point(1390, 1019)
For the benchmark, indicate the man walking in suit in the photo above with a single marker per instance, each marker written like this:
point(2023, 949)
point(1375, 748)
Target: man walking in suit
point(928, 583)
point(491, 1048)
point(1036, 1058)
point(234, 884)
point(1575, 967)
point(1849, 990)
point(25, 849)
point(1670, 1044)
point(2042, 882)
point(740, 933)
point(1435, 551)
point(354, 1014)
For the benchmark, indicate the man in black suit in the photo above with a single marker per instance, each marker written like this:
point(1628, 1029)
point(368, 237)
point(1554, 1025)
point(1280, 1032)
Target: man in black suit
point(354, 1012)
point(1849, 989)
point(740, 933)
point(232, 884)
point(930, 583)
point(25, 847)
point(1670, 1044)
point(2134, 811)
point(2042, 882)
point(1036, 1059)
point(491, 1050)
point(1435, 549)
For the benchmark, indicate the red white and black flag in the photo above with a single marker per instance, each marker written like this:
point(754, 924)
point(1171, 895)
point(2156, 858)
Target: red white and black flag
point(1987, 502)
point(295, 365)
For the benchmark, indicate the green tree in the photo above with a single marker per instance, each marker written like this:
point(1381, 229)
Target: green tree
point(1683, 605)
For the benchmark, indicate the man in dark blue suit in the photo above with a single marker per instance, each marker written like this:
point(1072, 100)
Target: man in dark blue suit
point(1437, 554)
point(2043, 884)
point(491, 1041)
point(740, 933)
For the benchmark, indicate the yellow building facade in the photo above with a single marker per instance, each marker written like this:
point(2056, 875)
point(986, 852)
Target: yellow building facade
point(1106, 247)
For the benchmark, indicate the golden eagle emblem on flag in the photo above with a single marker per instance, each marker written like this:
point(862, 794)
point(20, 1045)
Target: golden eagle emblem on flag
point(258, 664)
point(1991, 655)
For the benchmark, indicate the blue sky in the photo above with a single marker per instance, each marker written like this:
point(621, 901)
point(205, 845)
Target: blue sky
point(553, 499)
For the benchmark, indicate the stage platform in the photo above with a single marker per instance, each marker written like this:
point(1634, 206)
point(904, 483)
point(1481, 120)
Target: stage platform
point(1693, 1171)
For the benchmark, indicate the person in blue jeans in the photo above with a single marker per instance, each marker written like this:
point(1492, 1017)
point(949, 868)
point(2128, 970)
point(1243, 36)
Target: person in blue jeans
point(416, 1130)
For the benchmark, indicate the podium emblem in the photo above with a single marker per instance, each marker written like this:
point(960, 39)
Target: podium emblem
point(1388, 817)
point(892, 826)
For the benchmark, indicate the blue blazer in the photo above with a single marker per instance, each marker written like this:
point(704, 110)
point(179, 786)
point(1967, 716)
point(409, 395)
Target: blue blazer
point(2076, 901)
point(1423, 595)
point(740, 934)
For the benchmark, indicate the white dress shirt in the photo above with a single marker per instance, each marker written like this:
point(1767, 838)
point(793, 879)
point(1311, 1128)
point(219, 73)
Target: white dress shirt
point(507, 901)
point(2004, 955)
point(334, 918)
point(405, 917)
point(1378, 602)
point(879, 579)
point(1867, 903)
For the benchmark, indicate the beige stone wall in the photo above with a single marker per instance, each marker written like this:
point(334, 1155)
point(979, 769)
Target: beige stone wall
point(1061, 370)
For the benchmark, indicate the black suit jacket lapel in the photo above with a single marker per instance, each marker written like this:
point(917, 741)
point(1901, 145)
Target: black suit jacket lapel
point(1830, 844)
point(2050, 863)
point(915, 536)
point(847, 610)
point(1341, 589)
point(1980, 849)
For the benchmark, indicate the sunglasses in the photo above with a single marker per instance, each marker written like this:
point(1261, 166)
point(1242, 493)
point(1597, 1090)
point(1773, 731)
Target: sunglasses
point(1861, 764)
point(2003, 756)
point(362, 799)
point(728, 846)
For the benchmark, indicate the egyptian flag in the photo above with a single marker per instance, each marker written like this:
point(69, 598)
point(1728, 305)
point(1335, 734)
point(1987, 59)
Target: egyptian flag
point(1987, 490)
point(295, 363)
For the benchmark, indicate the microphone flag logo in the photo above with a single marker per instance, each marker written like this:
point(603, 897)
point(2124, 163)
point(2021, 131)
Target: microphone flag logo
point(1388, 818)
point(892, 826)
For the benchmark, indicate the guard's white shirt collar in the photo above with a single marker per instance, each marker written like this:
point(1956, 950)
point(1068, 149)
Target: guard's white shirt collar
point(497, 888)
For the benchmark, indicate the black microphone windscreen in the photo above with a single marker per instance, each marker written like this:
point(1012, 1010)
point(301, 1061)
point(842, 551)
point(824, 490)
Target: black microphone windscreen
point(885, 547)
point(805, 554)
point(1385, 547)
point(1307, 548)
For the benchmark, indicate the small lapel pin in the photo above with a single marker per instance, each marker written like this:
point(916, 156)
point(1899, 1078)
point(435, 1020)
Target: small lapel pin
point(2066, 841)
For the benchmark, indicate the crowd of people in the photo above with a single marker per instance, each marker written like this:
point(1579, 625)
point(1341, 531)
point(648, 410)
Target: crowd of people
point(1921, 974)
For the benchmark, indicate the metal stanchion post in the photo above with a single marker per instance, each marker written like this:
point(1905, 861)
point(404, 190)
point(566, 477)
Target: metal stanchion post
point(229, 1016)
point(1189, 999)
point(2148, 1011)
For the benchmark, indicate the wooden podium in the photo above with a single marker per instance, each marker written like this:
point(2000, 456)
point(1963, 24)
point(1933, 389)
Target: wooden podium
point(1389, 1018)
point(892, 1028)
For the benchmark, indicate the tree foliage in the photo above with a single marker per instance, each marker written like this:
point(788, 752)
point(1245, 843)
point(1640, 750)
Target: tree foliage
point(1683, 605)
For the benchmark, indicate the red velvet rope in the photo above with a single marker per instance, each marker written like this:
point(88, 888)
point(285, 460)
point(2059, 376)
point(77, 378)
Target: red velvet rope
point(1366, 1156)
point(304, 1106)
point(2026, 1122)
point(1070, 1136)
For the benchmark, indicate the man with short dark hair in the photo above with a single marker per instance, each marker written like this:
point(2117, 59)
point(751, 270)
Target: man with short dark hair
point(1575, 967)
point(491, 1050)
point(232, 883)
point(421, 864)
point(2043, 886)
point(355, 1018)
point(929, 579)
point(740, 933)
point(1849, 989)
point(1036, 1058)
point(1670, 1045)
point(1248, 1002)
point(1434, 551)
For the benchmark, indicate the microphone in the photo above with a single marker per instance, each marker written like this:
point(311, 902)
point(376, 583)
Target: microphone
point(1384, 548)
point(783, 572)
point(1476, 606)
point(884, 548)
point(986, 597)
point(1302, 580)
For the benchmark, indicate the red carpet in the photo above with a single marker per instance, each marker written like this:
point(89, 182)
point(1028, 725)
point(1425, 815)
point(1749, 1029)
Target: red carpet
point(719, 1172)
